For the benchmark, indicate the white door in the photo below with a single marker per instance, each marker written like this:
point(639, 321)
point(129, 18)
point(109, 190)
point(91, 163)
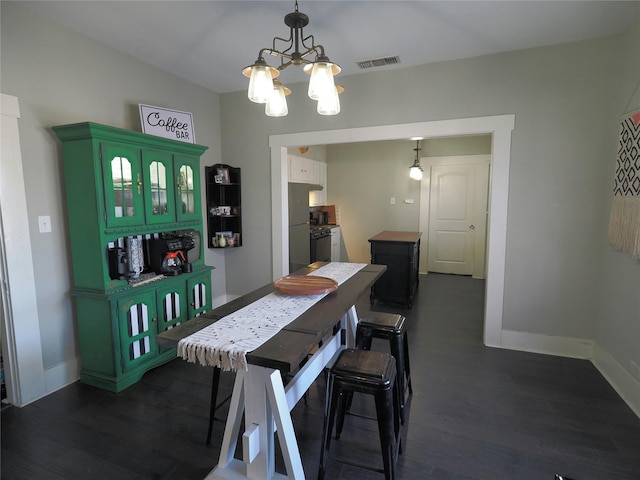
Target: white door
point(457, 219)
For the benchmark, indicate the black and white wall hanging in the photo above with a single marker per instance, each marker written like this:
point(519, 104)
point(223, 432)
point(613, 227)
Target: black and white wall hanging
point(624, 222)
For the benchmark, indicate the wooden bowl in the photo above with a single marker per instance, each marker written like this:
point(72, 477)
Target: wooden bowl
point(305, 285)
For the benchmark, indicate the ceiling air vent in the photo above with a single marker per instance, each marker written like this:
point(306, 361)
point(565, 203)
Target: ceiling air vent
point(379, 62)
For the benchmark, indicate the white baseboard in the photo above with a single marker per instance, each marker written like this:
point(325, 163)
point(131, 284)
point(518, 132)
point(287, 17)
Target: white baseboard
point(618, 377)
point(62, 375)
point(218, 301)
point(222, 299)
point(57, 377)
point(537, 343)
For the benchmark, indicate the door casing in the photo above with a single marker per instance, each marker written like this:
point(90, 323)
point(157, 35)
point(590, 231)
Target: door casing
point(498, 126)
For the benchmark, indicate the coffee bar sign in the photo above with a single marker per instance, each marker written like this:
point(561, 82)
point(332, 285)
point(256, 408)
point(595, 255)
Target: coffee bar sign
point(167, 123)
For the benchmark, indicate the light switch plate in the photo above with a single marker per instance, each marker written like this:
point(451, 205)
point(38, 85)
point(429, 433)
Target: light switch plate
point(44, 223)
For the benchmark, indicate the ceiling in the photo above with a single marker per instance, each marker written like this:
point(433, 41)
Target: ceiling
point(210, 42)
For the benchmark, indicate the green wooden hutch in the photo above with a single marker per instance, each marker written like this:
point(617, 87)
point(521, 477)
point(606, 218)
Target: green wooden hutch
point(128, 192)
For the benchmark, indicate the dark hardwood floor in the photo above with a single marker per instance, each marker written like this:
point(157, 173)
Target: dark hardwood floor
point(476, 413)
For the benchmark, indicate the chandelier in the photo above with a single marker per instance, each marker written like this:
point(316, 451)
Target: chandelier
point(264, 87)
point(415, 170)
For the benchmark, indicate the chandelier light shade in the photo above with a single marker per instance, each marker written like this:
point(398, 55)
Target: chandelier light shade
point(261, 78)
point(329, 103)
point(276, 106)
point(263, 88)
point(415, 171)
point(321, 82)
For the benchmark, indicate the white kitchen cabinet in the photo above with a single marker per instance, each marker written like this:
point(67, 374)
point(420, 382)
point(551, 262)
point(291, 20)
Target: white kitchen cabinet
point(335, 244)
point(319, 197)
point(300, 170)
point(320, 173)
point(305, 170)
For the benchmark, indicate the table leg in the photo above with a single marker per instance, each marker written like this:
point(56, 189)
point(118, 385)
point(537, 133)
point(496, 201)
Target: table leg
point(260, 395)
point(258, 418)
point(352, 325)
point(234, 418)
point(286, 434)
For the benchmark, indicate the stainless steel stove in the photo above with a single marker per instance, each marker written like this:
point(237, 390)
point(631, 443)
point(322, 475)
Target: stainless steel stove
point(320, 243)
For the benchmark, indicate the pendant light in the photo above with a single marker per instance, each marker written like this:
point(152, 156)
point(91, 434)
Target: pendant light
point(415, 171)
point(321, 70)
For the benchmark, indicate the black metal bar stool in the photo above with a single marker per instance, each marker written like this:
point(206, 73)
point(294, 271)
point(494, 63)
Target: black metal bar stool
point(391, 327)
point(212, 403)
point(372, 373)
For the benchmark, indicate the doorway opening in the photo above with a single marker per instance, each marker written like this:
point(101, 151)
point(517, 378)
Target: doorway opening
point(499, 127)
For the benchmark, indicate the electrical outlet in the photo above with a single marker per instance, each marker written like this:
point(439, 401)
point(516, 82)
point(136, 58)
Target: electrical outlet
point(44, 223)
point(408, 200)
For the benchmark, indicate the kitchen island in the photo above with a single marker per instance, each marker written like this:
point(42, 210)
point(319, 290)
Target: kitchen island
point(400, 252)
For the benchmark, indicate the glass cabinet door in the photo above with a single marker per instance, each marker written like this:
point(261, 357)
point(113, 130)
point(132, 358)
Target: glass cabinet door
point(159, 203)
point(199, 289)
point(172, 305)
point(187, 175)
point(138, 326)
point(122, 185)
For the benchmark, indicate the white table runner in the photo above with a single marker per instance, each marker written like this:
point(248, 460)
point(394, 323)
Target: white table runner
point(226, 343)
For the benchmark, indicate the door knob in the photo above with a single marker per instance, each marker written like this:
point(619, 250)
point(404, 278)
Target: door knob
point(472, 227)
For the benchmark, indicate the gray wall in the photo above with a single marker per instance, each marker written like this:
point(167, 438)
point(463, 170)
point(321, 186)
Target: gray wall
point(562, 280)
point(562, 98)
point(362, 178)
point(565, 101)
point(62, 78)
point(617, 325)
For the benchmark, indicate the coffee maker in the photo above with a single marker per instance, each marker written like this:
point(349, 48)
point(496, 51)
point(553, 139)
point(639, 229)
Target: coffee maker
point(168, 255)
point(318, 217)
